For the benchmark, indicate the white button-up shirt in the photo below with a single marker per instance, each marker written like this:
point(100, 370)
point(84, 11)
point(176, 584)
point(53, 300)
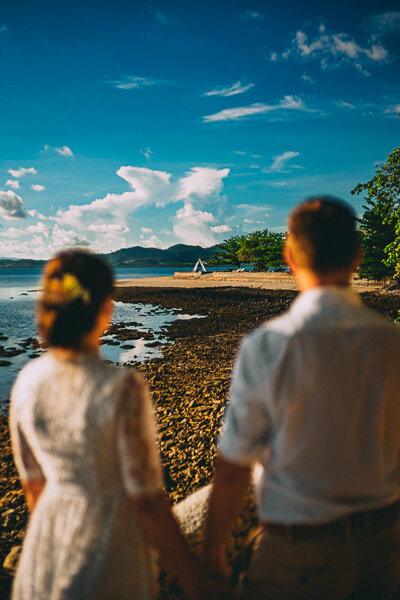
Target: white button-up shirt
point(315, 398)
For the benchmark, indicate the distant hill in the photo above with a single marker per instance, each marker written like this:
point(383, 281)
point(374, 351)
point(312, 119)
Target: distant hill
point(20, 263)
point(179, 255)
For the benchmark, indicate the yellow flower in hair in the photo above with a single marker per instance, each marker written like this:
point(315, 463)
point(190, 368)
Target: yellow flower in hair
point(73, 288)
point(65, 290)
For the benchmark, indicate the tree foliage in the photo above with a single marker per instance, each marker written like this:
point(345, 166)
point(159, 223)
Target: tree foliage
point(228, 252)
point(380, 223)
point(262, 248)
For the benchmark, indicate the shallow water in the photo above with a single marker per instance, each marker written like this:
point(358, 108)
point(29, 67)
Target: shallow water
point(18, 297)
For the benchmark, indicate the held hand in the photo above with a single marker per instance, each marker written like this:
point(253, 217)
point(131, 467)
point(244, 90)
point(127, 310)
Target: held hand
point(217, 568)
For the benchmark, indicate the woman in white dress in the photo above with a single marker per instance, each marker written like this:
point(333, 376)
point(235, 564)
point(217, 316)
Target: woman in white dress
point(84, 443)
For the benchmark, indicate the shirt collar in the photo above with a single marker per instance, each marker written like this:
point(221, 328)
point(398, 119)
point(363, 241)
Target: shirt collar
point(326, 295)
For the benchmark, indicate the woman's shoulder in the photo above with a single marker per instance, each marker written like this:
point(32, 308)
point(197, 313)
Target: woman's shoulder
point(34, 371)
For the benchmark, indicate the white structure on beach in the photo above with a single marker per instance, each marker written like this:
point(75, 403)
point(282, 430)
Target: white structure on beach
point(199, 266)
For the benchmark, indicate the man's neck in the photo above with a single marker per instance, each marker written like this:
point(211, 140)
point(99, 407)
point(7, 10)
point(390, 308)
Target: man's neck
point(308, 280)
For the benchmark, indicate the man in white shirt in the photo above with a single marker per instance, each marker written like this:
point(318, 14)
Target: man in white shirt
point(315, 398)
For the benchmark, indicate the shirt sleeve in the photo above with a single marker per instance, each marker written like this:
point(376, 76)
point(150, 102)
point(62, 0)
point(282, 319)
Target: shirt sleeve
point(246, 431)
point(137, 449)
point(25, 460)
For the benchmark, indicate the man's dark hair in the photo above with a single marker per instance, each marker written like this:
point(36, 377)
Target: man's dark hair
point(324, 234)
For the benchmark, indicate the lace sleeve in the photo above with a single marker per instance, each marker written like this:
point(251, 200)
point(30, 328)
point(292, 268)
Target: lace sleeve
point(27, 465)
point(137, 449)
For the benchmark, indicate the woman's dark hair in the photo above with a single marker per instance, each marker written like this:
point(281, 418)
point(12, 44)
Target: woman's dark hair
point(76, 283)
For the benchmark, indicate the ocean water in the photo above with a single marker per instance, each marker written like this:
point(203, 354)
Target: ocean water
point(19, 292)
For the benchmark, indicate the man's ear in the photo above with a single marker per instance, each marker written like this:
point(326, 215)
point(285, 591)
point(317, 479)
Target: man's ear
point(289, 258)
point(358, 257)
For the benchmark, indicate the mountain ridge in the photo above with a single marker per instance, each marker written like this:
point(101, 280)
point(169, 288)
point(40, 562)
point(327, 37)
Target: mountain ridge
point(178, 255)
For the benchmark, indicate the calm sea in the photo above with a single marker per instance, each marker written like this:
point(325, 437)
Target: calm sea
point(18, 297)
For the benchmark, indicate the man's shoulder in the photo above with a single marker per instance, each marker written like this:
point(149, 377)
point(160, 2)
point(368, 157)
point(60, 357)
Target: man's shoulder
point(270, 336)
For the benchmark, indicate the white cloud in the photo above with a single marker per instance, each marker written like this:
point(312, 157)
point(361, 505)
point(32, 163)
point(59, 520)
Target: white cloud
point(22, 171)
point(62, 238)
point(233, 90)
point(108, 227)
point(11, 205)
point(147, 153)
point(307, 78)
point(273, 57)
point(38, 228)
point(201, 181)
point(35, 214)
point(336, 49)
point(63, 150)
point(13, 183)
point(149, 187)
point(240, 152)
point(153, 242)
point(233, 114)
point(192, 226)
point(3, 28)
point(280, 161)
point(105, 223)
point(251, 15)
point(343, 104)
point(221, 228)
point(40, 241)
point(36, 187)
point(387, 22)
point(131, 82)
point(254, 166)
point(393, 109)
point(253, 209)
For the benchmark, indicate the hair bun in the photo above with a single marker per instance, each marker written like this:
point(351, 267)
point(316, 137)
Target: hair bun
point(63, 289)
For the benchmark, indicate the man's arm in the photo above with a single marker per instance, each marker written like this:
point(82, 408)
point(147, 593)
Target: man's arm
point(164, 535)
point(230, 483)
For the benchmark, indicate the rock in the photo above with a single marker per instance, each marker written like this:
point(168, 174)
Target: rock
point(11, 561)
point(5, 363)
point(127, 346)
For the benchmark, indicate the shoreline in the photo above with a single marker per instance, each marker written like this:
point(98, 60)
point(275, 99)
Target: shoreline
point(189, 384)
point(221, 279)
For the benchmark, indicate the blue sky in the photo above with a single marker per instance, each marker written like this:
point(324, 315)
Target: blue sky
point(126, 123)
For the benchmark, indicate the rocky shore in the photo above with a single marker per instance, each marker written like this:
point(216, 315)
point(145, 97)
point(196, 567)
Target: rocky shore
point(189, 385)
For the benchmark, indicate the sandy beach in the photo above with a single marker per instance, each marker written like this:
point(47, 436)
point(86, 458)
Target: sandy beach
point(218, 279)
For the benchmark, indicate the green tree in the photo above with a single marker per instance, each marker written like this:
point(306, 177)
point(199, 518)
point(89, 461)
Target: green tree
point(228, 252)
point(263, 249)
point(380, 223)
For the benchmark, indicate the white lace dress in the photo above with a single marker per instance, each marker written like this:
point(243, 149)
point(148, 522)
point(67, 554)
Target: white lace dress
point(87, 429)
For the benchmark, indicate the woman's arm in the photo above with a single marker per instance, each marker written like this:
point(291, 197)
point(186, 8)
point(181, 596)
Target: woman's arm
point(230, 483)
point(32, 490)
point(165, 536)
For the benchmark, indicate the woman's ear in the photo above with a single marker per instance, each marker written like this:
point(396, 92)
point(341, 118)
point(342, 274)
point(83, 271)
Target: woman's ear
point(105, 313)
